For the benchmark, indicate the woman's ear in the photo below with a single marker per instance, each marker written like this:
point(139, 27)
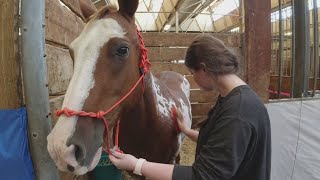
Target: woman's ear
point(203, 67)
point(87, 8)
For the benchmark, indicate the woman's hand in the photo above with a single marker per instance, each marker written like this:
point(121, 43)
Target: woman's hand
point(181, 123)
point(192, 134)
point(123, 161)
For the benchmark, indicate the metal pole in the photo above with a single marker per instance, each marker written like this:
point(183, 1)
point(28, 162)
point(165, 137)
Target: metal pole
point(177, 21)
point(307, 55)
point(35, 84)
point(293, 48)
point(280, 50)
point(315, 45)
point(302, 48)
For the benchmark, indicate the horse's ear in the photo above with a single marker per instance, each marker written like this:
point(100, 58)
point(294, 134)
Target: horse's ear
point(128, 6)
point(87, 8)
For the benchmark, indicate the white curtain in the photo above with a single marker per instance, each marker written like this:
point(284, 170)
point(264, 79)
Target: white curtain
point(295, 128)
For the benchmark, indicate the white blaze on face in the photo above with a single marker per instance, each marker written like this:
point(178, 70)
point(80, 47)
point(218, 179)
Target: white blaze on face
point(86, 52)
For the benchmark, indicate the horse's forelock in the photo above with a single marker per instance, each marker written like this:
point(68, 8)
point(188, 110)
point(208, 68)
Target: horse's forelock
point(104, 11)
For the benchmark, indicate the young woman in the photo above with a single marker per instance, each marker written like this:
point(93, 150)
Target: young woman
point(235, 141)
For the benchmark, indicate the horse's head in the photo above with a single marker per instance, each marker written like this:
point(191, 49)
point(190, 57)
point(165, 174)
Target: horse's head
point(106, 66)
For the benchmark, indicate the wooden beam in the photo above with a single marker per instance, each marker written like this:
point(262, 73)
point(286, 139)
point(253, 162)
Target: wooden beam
point(201, 109)
point(275, 4)
point(258, 45)
point(227, 22)
point(10, 77)
point(167, 6)
point(185, 39)
point(197, 121)
point(200, 96)
point(74, 6)
point(157, 54)
point(168, 54)
point(179, 68)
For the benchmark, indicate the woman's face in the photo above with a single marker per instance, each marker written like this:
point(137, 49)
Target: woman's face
point(203, 79)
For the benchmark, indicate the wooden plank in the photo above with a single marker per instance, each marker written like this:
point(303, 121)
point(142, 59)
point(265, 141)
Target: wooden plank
point(197, 121)
point(184, 39)
point(60, 69)
point(168, 54)
point(10, 78)
point(258, 43)
point(157, 54)
point(200, 96)
point(176, 67)
point(74, 6)
point(62, 26)
point(55, 104)
point(193, 84)
point(201, 109)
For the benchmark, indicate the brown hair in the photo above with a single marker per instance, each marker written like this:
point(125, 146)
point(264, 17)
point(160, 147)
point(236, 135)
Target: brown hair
point(213, 53)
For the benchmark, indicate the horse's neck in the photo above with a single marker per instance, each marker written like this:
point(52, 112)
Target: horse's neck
point(154, 106)
point(148, 124)
point(159, 96)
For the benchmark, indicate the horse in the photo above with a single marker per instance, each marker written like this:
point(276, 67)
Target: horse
point(112, 72)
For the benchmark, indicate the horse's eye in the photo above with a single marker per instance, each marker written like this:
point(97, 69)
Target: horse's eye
point(123, 52)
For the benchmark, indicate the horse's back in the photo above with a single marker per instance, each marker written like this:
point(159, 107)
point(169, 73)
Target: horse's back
point(175, 82)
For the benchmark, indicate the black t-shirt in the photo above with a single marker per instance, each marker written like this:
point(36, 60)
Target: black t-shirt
point(235, 142)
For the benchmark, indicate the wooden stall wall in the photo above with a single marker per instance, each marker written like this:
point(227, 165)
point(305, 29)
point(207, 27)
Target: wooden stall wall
point(64, 22)
point(166, 50)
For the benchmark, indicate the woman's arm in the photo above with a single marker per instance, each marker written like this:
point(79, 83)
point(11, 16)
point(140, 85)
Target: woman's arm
point(157, 171)
point(148, 169)
point(192, 134)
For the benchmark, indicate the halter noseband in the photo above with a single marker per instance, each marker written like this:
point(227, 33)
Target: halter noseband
point(144, 67)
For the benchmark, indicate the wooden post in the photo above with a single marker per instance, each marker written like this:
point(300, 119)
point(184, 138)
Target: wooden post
point(10, 72)
point(258, 45)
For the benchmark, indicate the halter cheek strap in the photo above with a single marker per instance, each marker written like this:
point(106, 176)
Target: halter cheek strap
point(144, 68)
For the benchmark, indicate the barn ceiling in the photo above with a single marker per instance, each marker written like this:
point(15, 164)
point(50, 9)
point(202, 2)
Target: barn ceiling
point(192, 15)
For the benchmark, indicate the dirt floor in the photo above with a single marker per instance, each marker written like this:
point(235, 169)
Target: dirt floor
point(188, 151)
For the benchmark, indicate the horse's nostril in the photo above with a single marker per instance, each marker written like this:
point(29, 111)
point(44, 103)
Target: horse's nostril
point(70, 168)
point(78, 153)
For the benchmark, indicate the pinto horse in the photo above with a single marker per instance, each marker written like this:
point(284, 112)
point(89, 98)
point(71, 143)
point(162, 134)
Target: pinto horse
point(111, 72)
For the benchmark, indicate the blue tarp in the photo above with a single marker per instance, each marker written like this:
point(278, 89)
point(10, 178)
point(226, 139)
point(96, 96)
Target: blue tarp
point(15, 160)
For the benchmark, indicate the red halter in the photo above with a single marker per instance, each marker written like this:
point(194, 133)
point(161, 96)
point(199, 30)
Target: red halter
point(144, 67)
